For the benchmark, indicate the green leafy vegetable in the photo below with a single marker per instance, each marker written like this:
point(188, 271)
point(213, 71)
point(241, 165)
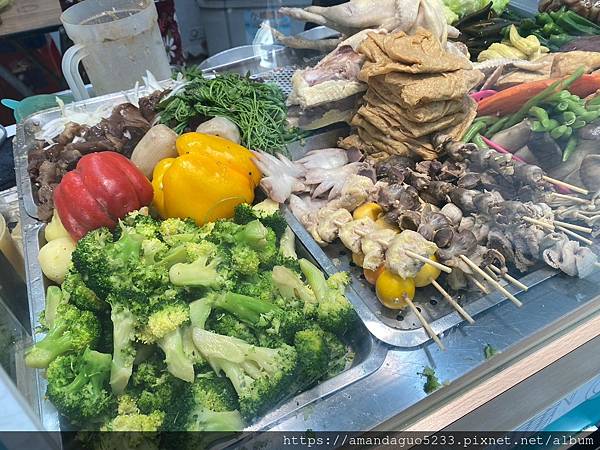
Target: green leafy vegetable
point(258, 109)
point(489, 351)
point(432, 383)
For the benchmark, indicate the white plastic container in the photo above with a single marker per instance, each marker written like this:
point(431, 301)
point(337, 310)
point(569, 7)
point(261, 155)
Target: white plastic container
point(117, 41)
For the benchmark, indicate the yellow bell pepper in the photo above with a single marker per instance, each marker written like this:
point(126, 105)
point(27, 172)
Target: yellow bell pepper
point(237, 157)
point(199, 186)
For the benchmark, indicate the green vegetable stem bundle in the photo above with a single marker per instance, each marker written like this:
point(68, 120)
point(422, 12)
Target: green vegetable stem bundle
point(258, 109)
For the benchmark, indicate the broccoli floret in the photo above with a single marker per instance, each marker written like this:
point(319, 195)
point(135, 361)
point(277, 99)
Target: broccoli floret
point(313, 355)
point(130, 418)
point(138, 222)
point(229, 325)
point(176, 231)
point(287, 244)
point(261, 315)
point(253, 234)
point(124, 326)
point(292, 288)
point(165, 327)
point(266, 211)
point(204, 271)
point(80, 295)
point(334, 312)
point(211, 405)
point(72, 330)
point(261, 376)
point(78, 387)
point(166, 320)
point(340, 355)
point(244, 260)
point(259, 285)
point(54, 298)
point(102, 262)
point(153, 387)
point(178, 362)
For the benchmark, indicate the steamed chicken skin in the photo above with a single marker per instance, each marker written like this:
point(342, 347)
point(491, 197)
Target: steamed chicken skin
point(374, 247)
point(352, 233)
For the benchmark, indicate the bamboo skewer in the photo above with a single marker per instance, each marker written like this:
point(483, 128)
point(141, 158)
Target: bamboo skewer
point(539, 223)
point(575, 235)
point(425, 260)
point(509, 278)
point(424, 322)
point(597, 264)
point(479, 285)
point(490, 280)
point(570, 226)
point(567, 185)
point(571, 198)
point(459, 309)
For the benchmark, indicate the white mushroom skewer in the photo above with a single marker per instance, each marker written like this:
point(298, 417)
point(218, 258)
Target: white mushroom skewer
point(491, 281)
point(424, 322)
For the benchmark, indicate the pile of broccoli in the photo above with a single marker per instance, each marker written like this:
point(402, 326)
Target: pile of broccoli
point(167, 326)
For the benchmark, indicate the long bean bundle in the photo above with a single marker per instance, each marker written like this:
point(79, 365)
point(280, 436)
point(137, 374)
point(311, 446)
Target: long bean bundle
point(258, 109)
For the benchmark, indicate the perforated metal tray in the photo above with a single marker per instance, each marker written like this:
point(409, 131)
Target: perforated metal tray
point(398, 328)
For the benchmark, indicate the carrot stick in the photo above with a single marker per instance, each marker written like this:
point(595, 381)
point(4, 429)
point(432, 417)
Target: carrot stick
point(512, 99)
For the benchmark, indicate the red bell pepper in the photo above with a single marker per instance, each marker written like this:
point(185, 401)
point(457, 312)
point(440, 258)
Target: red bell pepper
point(102, 189)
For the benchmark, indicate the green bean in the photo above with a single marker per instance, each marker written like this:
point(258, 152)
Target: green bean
point(570, 148)
point(498, 126)
point(594, 102)
point(590, 116)
point(559, 97)
point(479, 142)
point(569, 118)
point(551, 124)
point(537, 127)
point(473, 130)
point(488, 120)
point(558, 132)
point(592, 107)
point(562, 106)
point(568, 132)
point(579, 124)
point(577, 108)
point(539, 113)
point(537, 99)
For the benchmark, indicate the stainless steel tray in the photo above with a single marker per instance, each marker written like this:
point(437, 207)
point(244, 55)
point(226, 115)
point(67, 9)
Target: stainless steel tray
point(369, 353)
point(398, 328)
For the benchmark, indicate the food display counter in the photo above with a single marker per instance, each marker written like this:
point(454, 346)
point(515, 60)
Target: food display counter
point(505, 341)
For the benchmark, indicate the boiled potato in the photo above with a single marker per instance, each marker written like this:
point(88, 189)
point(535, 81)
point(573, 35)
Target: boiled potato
point(55, 229)
point(55, 258)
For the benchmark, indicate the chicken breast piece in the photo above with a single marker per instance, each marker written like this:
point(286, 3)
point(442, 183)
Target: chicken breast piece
point(352, 233)
point(374, 247)
point(329, 222)
point(399, 262)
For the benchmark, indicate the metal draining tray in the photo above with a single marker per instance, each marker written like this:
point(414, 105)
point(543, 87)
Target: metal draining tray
point(369, 353)
point(399, 328)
